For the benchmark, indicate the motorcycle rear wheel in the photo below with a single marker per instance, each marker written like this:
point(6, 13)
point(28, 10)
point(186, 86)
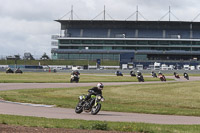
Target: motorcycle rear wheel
point(96, 109)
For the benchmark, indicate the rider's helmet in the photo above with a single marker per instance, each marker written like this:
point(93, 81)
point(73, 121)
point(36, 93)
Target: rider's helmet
point(159, 72)
point(138, 71)
point(100, 86)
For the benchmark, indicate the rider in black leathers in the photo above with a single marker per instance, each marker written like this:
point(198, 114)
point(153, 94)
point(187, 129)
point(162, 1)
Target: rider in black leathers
point(95, 91)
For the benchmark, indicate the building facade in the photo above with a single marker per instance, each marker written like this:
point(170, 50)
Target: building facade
point(128, 41)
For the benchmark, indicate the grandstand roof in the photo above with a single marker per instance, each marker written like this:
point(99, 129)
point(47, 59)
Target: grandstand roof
point(129, 24)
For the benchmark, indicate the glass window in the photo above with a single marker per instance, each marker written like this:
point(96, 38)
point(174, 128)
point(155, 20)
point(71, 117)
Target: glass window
point(116, 56)
point(76, 41)
point(109, 48)
point(87, 41)
point(119, 42)
point(131, 42)
point(96, 56)
point(96, 47)
point(98, 41)
point(73, 56)
point(64, 41)
point(107, 56)
point(153, 42)
point(175, 42)
point(84, 56)
point(164, 42)
point(186, 43)
point(143, 42)
point(118, 48)
point(109, 42)
point(196, 43)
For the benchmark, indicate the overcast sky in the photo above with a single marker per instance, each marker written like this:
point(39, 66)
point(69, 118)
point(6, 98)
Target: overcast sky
point(27, 25)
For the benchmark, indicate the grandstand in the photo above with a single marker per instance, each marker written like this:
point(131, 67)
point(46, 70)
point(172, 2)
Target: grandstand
point(137, 42)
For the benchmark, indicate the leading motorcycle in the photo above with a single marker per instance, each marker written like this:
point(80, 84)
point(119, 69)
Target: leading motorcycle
point(140, 78)
point(92, 105)
point(74, 78)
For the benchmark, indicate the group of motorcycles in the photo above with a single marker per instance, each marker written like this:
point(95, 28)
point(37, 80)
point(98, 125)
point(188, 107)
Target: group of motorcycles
point(176, 75)
point(132, 73)
point(9, 70)
point(161, 76)
point(185, 75)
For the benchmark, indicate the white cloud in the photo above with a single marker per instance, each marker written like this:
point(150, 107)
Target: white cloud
point(27, 25)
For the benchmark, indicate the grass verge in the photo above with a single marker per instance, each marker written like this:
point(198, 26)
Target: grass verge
point(97, 125)
point(178, 98)
point(65, 78)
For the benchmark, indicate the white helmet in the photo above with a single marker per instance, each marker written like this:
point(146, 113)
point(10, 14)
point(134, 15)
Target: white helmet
point(100, 86)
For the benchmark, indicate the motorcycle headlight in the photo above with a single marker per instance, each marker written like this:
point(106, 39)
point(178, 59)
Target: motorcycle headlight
point(80, 97)
point(99, 97)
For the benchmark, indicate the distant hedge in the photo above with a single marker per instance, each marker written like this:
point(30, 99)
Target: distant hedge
point(57, 62)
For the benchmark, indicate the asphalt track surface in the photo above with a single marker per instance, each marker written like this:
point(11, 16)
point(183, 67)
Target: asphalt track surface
point(37, 110)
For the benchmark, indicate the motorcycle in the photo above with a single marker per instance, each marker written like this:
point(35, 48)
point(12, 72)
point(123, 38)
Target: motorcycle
point(92, 105)
point(140, 78)
point(18, 71)
point(74, 78)
point(177, 76)
point(162, 77)
point(154, 75)
point(132, 74)
point(118, 73)
point(186, 76)
point(9, 70)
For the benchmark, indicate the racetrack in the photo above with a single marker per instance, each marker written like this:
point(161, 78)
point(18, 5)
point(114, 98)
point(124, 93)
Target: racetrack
point(63, 113)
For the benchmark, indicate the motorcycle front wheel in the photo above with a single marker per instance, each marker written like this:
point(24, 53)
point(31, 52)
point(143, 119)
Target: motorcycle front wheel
point(79, 108)
point(96, 109)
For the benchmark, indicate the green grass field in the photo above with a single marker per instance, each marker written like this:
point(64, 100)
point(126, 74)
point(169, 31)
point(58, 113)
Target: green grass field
point(177, 98)
point(65, 78)
point(97, 125)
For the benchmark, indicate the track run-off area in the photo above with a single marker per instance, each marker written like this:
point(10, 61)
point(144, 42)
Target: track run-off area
point(26, 109)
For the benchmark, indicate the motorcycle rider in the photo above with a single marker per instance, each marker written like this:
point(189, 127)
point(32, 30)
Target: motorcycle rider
point(176, 75)
point(139, 73)
point(95, 91)
point(153, 74)
point(186, 75)
point(132, 73)
point(140, 76)
point(159, 73)
point(74, 74)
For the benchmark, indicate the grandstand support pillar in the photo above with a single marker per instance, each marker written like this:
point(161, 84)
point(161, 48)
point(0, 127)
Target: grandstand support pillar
point(136, 33)
point(191, 32)
point(65, 32)
point(164, 33)
point(81, 33)
point(109, 31)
